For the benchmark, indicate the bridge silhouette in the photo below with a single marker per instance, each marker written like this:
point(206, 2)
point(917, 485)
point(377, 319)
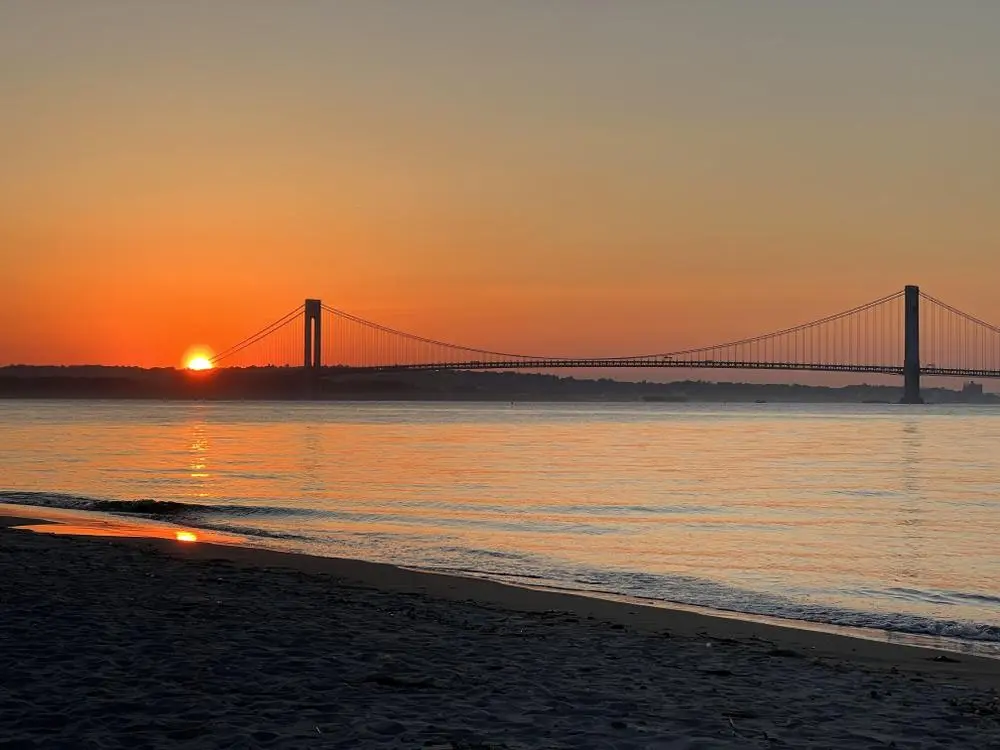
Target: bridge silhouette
point(909, 334)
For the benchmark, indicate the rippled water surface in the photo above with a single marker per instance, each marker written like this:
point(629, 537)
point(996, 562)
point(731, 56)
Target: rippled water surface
point(874, 516)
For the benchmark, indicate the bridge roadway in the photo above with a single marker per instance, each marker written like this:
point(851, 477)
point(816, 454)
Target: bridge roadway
point(663, 362)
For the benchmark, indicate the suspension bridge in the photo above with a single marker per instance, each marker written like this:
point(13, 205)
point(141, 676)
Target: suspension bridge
point(909, 334)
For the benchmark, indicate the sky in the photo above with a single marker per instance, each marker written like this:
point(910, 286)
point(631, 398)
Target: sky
point(565, 177)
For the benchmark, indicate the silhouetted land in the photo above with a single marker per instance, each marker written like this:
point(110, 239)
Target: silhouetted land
point(341, 384)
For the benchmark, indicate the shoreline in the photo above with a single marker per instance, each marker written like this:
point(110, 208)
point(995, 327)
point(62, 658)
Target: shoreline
point(649, 616)
point(141, 528)
point(122, 642)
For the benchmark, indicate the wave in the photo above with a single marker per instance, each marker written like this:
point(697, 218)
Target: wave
point(196, 515)
point(48, 500)
point(713, 595)
point(249, 531)
point(147, 506)
point(663, 589)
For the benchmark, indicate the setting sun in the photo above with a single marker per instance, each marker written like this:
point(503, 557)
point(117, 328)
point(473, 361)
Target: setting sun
point(186, 536)
point(199, 363)
point(198, 358)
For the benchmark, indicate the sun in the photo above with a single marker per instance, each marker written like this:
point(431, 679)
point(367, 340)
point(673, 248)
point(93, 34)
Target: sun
point(199, 363)
point(198, 358)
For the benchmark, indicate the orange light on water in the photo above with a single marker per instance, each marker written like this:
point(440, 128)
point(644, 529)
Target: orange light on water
point(186, 536)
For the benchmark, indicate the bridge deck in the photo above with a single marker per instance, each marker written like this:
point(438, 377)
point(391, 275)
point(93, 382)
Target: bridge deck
point(551, 364)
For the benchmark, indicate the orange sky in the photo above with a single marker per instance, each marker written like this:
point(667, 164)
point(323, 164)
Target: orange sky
point(592, 178)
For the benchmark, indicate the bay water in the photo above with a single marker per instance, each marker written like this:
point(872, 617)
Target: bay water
point(879, 517)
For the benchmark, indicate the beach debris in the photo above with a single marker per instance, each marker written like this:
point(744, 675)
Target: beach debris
point(718, 639)
point(400, 681)
point(732, 726)
point(945, 658)
point(785, 652)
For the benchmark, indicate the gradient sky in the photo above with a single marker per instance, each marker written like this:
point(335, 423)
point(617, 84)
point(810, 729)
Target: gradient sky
point(554, 177)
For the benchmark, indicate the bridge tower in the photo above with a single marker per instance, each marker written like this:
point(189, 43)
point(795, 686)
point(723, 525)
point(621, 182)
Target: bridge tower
point(911, 346)
point(313, 334)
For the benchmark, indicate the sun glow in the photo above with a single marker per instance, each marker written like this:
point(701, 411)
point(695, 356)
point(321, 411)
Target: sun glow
point(199, 363)
point(198, 358)
point(186, 536)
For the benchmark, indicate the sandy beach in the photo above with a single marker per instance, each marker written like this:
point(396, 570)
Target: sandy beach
point(111, 642)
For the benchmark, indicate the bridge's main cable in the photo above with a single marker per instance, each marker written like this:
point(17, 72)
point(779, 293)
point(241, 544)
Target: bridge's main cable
point(956, 311)
point(635, 357)
point(774, 334)
point(262, 333)
point(423, 339)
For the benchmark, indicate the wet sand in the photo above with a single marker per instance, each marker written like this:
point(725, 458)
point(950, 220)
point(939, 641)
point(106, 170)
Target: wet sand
point(119, 642)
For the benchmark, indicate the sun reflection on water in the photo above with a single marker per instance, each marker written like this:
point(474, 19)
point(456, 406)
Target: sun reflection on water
point(198, 449)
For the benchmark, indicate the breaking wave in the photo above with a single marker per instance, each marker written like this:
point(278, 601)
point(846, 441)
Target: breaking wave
point(147, 506)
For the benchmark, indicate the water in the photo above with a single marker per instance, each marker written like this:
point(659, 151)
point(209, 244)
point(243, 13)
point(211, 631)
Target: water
point(865, 516)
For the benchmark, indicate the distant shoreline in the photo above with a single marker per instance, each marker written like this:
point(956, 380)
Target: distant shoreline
point(331, 384)
point(469, 400)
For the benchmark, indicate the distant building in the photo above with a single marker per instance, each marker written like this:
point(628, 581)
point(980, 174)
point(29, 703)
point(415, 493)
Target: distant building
point(971, 391)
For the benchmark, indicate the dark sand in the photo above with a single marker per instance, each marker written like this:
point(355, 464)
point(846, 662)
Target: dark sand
point(121, 643)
